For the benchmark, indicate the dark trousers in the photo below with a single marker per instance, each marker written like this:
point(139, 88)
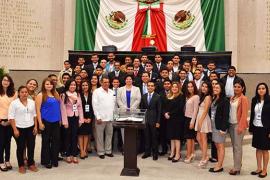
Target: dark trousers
point(50, 143)
point(140, 141)
point(163, 135)
point(72, 136)
point(5, 140)
point(151, 139)
point(26, 137)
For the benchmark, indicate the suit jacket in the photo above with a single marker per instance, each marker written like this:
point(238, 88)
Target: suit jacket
point(154, 76)
point(155, 68)
point(153, 112)
point(89, 69)
point(222, 114)
point(135, 98)
point(265, 117)
point(224, 79)
point(121, 77)
point(184, 86)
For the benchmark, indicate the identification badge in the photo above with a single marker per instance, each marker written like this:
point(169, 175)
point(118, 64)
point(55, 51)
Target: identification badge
point(74, 108)
point(258, 117)
point(87, 108)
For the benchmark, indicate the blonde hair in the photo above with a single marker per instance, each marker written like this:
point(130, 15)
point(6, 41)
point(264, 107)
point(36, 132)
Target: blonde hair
point(171, 95)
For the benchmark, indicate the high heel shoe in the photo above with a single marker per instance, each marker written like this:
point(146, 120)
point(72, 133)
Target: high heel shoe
point(171, 158)
point(256, 172)
point(262, 176)
point(203, 163)
point(190, 159)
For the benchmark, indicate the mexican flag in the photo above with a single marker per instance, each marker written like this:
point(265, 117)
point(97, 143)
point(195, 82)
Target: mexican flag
point(133, 24)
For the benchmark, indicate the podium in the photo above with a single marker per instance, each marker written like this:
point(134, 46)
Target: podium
point(131, 121)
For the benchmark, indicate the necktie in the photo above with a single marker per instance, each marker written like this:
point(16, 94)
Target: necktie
point(149, 98)
point(136, 72)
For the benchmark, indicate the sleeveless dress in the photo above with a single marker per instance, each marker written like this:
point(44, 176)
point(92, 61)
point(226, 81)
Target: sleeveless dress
point(206, 125)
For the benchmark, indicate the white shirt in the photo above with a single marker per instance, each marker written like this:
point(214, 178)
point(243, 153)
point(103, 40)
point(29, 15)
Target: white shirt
point(198, 83)
point(233, 111)
point(23, 115)
point(190, 76)
point(176, 68)
point(258, 114)
point(229, 87)
point(144, 88)
point(103, 104)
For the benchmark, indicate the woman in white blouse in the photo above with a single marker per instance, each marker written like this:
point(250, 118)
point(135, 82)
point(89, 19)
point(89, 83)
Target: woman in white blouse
point(22, 116)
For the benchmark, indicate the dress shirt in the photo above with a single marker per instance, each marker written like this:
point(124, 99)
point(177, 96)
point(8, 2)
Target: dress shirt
point(233, 111)
point(103, 104)
point(144, 88)
point(182, 81)
point(4, 105)
point(190, 76)
point(23, 115)
point(176, 68)
point(95, 65)
point(158, 66)
point(229, 86)
point(198, 83)
point(116, 73)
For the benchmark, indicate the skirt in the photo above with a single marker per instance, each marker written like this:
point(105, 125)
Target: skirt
point(85, 129)
point(260, 139)
point(188, 133)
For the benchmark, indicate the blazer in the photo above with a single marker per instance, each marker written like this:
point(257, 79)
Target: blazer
point(89, 69)
point(224, 79)
point(242, 113)
point(154, 76)
point(121, 77)
point(184, 86)
point(89, 114)
point(153, 112)
point(155, 68)
point(135, 98)
point(222, 114)
point(265, 114)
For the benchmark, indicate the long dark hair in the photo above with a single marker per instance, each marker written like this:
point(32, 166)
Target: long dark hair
point(68, 83)
point(266, 96)
point(241, 83)
point(187, 94)
point(89, 87)
point(209, 93)
point(222, 93)
point(44, 91)
point(10, 90)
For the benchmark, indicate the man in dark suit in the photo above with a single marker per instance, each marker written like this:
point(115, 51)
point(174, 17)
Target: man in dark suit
point(90, 68)
point(138, 70)
point(143, 84)
point(167, 83)
point(173, 76)
point(149, 68)
point(183, 80)
point(164, 74)
point(204, 76)
point(228, 81)
point(117, 74)
point(130, 72)
point(158, 65)
point(152, 102)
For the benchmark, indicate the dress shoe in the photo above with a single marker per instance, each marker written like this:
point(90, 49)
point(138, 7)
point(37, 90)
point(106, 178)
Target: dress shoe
point(8, 165)
point(60, 158)
point(109, 155)
point(256, 173)
point(101, 156)
point(234, 173)
point(212, 170)
point(3, 167)
point(190, 159)
point(48, 166)
point(171, 158)
point(146, 156)
point(33, 168)
point(22, 170)
point(55, 164)
point(155, 157)
point(262, 175)
point(175, 160)
point(213, 160)
point(75, 160)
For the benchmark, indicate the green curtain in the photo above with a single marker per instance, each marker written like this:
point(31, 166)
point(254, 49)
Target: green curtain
point(214, 28)
point(86, 24)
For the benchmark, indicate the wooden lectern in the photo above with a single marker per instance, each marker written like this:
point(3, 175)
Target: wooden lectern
point(131, 121)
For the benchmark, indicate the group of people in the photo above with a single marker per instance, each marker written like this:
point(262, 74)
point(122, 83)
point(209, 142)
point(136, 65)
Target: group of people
point(185, 104)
